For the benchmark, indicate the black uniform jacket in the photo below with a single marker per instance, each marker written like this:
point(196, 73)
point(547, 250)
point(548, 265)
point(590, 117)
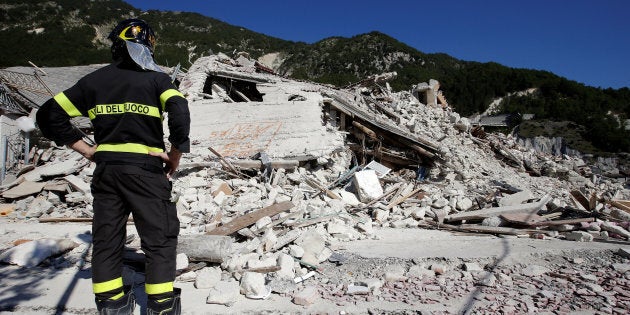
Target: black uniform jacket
point(126, 106)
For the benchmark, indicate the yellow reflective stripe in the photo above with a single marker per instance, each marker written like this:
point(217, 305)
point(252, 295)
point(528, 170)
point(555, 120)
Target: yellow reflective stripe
point(117, 296)
point(67, 105)
point(158, 288)
point(107, 285)
point(127, 147)
point(168, 94)
point(113, 109)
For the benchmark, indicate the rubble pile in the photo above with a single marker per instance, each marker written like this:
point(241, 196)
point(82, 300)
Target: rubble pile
point(573, 283)
point(271, 224)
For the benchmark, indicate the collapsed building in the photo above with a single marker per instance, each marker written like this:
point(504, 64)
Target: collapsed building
point(281, 171)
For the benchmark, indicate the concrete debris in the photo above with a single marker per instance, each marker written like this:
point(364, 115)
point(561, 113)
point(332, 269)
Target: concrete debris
point(307, 296)
point(283, 173)
point(224, 293)
point(208, 277)
point(26, 188)
point(32, 253)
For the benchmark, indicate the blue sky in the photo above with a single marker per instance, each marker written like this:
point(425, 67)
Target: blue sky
point(585, 41)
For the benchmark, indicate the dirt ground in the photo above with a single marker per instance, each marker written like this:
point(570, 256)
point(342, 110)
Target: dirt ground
point(516, 275)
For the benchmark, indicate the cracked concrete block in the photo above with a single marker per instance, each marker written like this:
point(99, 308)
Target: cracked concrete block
point(207, 277)
point(253, 284)
point(220, 198)
point(381, 215)
point(39, 207)
point(77, 183)
point(181, 261)
point(224, 293)
point(296, 251)
point(366, 226)
point(419, 213)
point(367, 185)
point(323, 255)
point(516, 198)
point(286, 264)
point(579, 236)
point(53, 198)
point(265, 262)
point(440, 203)
point(347, 197)
point(312, 243)
point(464, 204)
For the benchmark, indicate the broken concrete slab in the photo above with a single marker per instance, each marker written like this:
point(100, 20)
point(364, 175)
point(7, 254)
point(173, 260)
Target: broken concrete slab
point(24, 189)
point(224, 293)
point(207, 277)
point(78, 184)
point(66, 167)
point(516, 198)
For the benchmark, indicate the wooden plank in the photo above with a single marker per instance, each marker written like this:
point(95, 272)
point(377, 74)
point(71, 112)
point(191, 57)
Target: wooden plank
point(579, 197)
point(315, 184)
point(403, 198)
point(259, 269)
point(491, 212)
point(561, 222)
point(621, 204)
point(251, 218)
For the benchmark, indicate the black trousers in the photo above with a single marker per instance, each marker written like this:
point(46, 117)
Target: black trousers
point(143, 191)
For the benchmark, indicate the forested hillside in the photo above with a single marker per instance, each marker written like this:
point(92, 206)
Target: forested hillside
point(73, 32)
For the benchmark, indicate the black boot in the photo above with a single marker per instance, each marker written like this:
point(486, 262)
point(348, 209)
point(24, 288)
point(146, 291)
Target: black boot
point(122, 306)
point(172, 306)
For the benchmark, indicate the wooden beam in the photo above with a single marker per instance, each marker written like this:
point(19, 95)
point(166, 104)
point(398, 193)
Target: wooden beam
point(561, 222)
point(369, 132)
point(581, 199)
point(250, 218)
point(403, 198)
point(621, 204)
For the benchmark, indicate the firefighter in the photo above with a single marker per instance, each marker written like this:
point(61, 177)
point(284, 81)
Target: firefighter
point(126, 102)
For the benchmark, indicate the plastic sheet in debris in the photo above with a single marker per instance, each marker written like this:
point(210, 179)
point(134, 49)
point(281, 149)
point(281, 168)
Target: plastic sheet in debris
point(380, 169)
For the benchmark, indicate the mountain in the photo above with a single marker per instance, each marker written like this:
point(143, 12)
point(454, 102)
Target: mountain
point(73, 32)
